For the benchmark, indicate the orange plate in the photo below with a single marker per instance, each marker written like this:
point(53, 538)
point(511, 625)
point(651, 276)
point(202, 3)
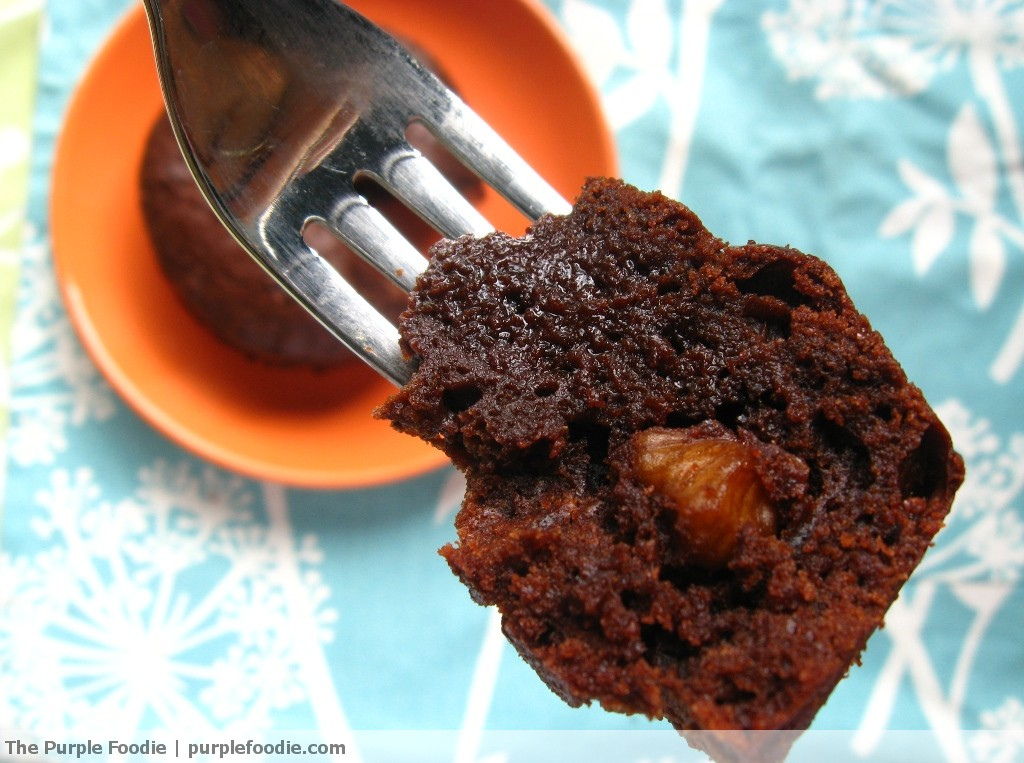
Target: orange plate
point(308, 429)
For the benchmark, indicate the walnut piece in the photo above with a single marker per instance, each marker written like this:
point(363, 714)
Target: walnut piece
point(714, 487)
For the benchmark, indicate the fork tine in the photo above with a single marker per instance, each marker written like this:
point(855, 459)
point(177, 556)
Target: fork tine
point(332, 300)
point(376, 240)
point(483, 150)
point(418, 183)
point(348, 94)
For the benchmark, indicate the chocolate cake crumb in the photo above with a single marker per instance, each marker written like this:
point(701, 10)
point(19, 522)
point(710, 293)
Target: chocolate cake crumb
point(697, 478)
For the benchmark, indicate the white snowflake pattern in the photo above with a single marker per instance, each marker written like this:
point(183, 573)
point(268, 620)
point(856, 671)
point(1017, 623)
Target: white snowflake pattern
point(896, 48)
point(169, 608)
point(978, 558)
point(1001, 739)
point(860, 49)
point(54, 384)
point(984, 537)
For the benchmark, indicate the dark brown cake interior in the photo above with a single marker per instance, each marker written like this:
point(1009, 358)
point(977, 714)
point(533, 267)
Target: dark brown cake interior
point(543, 364)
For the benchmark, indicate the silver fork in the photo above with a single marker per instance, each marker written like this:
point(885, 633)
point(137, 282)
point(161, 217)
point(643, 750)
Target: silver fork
point(281, 105)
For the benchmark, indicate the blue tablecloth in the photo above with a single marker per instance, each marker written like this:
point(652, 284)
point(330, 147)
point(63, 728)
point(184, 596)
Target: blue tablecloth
point(143, 591)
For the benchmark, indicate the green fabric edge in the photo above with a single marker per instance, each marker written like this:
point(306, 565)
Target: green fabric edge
point(20, 22)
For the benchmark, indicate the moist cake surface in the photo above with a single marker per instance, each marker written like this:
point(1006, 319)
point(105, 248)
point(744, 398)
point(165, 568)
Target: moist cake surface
point(697, 478)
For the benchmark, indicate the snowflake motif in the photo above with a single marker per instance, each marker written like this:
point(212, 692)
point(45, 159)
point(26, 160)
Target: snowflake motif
point(859, 49)
point(978, 558)
point(167, 607)
point(54, 384)
point(1002, 738)
point(984, 536)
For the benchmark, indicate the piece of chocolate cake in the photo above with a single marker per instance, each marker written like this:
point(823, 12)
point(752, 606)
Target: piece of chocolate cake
point(697, 478)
